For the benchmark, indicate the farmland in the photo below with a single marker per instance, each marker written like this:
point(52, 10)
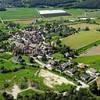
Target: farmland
point(81, 39)
point(93, 61)
point(19, 13)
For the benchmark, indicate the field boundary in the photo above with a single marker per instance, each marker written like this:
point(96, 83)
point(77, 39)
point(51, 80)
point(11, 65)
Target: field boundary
point(83, 49)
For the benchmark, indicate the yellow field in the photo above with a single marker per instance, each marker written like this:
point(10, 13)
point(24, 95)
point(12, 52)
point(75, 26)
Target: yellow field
point(81, 39)
point(84, 25)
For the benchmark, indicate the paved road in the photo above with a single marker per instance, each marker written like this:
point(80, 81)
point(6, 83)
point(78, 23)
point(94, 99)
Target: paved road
point(93, 80)
point(83, 85)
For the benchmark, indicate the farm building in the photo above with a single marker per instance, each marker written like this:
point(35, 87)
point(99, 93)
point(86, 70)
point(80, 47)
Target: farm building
point(52, 13)
point(85, 18)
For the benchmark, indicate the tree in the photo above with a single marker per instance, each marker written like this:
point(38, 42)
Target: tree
point(31, 60)
point(87, 29)
point(44, 58)
point(2, 9)
point(94, 89)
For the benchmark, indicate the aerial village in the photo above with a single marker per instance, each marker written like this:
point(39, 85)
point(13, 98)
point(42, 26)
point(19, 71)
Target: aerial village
point(42, 45)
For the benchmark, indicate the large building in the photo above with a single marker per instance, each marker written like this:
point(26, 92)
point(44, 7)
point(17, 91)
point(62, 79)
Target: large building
point(52, 13)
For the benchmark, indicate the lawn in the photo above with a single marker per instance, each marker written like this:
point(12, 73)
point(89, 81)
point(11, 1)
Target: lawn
point(94, 61)
point(19, 13)
point(64, 87)
point(1, 97)
point(81, 39)
point(59, 56)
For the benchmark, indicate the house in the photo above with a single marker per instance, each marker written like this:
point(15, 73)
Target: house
point(85, 77)
point(66, 54)
point(92, 72)
point(71, 71)
point(53, 62)
point(18, 59)
point(82, 66)
point(65, 65)
point(48, 66)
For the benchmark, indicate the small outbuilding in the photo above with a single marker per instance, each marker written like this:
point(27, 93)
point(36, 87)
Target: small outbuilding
point(85, 77)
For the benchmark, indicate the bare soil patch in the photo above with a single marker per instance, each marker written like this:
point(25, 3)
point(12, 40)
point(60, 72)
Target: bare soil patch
point(51, 79)
point(93, 51)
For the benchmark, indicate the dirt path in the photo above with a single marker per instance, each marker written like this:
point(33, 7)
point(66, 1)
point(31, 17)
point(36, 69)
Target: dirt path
point(92, 51)
point(16, 90)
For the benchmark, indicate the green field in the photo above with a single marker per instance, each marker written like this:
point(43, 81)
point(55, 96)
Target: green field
point(31, 93)
point(81, 39)
point(19, 13)
point(64, 87)
point(76, 12)
point(16, 77)
point(94, 61)
point(85, 12)
point(29, 13)
point(7, 63)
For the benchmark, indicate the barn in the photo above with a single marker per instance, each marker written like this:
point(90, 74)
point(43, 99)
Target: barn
point(53, 13)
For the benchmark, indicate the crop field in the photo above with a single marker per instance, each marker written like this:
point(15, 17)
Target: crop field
point(94, 13)
point(94, 61)
point(81, 39)
point(19, 13)
point(84, 25)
